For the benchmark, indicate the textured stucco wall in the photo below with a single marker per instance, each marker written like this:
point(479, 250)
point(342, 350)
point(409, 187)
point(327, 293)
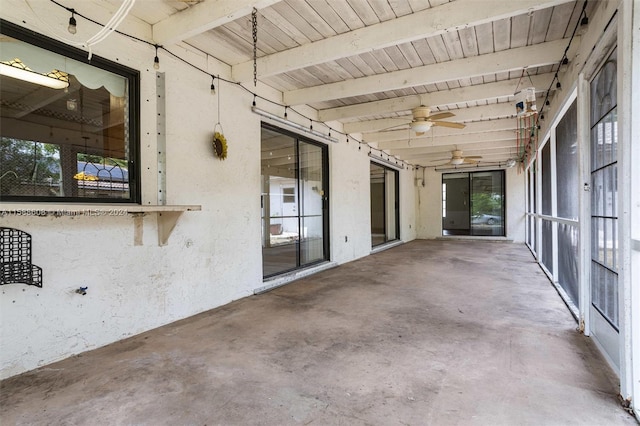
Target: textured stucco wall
point(213, 256)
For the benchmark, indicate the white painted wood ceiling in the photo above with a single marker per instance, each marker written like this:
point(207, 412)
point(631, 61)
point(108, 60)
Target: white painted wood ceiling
point(367, 63)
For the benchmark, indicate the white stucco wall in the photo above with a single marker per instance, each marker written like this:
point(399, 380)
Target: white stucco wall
point(213, 255)
point(516, 191)
point(429, 204)
point(350, 216)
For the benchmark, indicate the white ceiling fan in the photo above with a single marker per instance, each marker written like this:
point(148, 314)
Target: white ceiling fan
point(457, 159)
point(422, 120)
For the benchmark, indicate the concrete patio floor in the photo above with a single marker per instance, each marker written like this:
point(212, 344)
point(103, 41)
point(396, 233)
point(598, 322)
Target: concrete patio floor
point(426, 333)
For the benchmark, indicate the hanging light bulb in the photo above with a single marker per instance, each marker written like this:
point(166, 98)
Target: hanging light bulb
point(558, 86)
point(72, 23)
point(584, 25)
point(213, 86)
point(285, 113)
point(156, 60)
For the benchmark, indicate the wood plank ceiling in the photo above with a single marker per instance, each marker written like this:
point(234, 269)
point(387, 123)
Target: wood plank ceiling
point(367, 63)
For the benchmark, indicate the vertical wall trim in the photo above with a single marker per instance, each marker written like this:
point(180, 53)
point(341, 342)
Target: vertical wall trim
point(554, 203)
point(584, 203)
point(633, 157)
point(625, 128)
point(161, 137)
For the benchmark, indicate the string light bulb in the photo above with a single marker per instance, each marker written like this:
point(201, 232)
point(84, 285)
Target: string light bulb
point(156, 60)
point(585, 20)
point(584, 24)
point(254, 100)
point(285, 113)
point(72, 23)
point(213, 86)
point(558, 86)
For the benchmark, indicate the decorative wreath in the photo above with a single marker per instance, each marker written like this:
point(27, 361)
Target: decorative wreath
point(220, 145)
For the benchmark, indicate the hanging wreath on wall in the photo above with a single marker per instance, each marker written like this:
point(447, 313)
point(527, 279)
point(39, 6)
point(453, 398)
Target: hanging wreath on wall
point(219, 143)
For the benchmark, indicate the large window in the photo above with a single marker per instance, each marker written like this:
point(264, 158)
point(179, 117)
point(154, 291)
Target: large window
point(294, 202)
point(68, 126)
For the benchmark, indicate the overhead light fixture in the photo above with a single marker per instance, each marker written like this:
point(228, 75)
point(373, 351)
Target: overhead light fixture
point(511, 162)
point(421, 126)
point(17, 69)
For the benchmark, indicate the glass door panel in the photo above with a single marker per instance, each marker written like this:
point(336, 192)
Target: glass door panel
point(377, 177)
point(455, 211)
point(487, 203)
point(385, 218)
point(392, 226)
point(312, 203)
point(280, 228)
point(294, 202)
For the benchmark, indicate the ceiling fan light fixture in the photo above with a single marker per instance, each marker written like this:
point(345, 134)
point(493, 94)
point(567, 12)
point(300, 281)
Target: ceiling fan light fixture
point(421, 126)
point(456, 161)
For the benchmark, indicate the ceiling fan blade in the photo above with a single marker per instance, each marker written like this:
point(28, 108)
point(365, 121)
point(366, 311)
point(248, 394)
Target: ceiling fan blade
point(470, 161)
point(473, 157)
point(440, 159)
point(441, 115)
point(449, 124)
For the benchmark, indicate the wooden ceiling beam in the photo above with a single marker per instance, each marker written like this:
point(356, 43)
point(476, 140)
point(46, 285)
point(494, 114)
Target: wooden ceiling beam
point(470, 149)
point(437, 132)
point(460, 140)
point(203, 17)
point(460, 95)
point(537, 55)
point(423, 24)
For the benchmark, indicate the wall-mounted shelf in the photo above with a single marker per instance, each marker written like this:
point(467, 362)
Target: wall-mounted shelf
point(167, 215)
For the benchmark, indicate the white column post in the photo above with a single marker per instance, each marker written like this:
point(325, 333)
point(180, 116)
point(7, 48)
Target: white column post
point(584, 202)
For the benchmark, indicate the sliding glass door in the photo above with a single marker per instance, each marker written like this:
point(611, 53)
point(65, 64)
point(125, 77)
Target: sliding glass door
point(473, 203)
point(294, 202)
point(385, 218)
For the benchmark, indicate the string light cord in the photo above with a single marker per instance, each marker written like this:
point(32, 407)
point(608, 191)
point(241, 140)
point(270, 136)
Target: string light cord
point(113, 29)
point(562, 60)
point(101, 35)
